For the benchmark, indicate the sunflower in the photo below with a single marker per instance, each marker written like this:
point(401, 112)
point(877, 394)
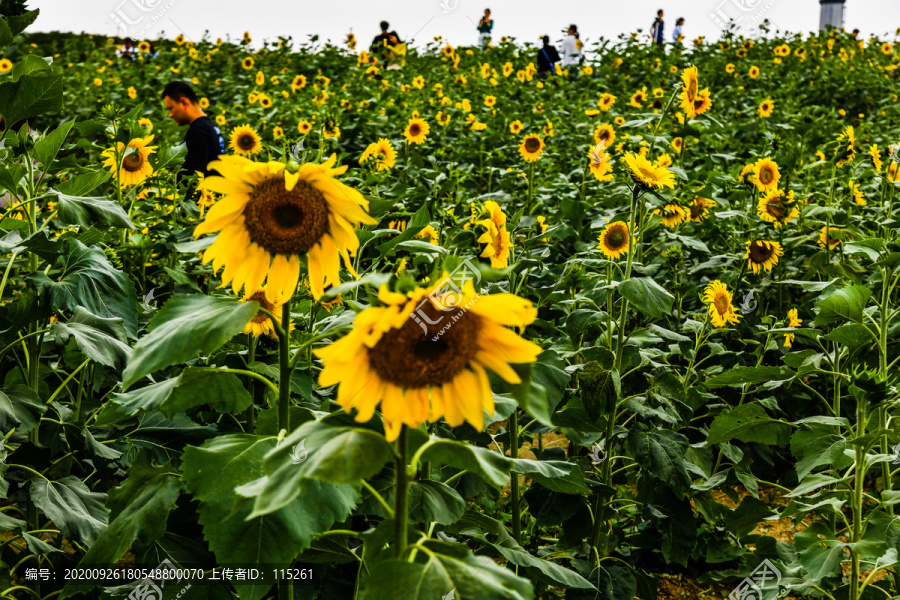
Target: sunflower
point(702, 103)
point(416, 131)
point(886, 48)
point(431, 233)
point(647, 175)
point(857, 194)
point(793, 321)
point(638, 98)
point(766, 173)
point(261, 324)
point(876, 157)
point(846, 151)
point(699, 208)
point(893, 172)
point(146, 123)
point(245, 140)
point(531, 147)
point(135, 166)
point(490, 101)
point(220, 119)
point(5, 65)
point(729, 68)
point(304, 127)
point(605, 134)
point(269, 217)
point(833, 242)
point(277, 132)
point(98, 82)
point(614, 240)
point(721, 310)
point(664, 160)
point(382, 152)
point(672, 215)
point(497, 218)
point(765, 108)
point(754, 72)
point(515, 127)
point(600, 164)
point(419, 369)
point(265, 101)
point(247, 63)
point(777, 208)
point(498, 246)
point(677, 144)
point(298, 83)
point(606, 102)
point(448, 51)
point(144, 46)
point(690, 78)
point(762, 255)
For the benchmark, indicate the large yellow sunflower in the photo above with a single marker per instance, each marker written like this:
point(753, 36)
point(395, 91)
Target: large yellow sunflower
point(531, 147)
point(416, 131)
point(648, 175)
point(721, 310)
point(766, 173)
point(777, 207)
point(762, 255)
point(405, 357)
point(672, 215)
point(270, 217)
point(605, 134)
point(245, 140)
point(600, 163)
point(382, 153)
point(135, 166)
point(614, 240)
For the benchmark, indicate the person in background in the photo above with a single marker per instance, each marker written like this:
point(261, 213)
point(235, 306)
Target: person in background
point(204, 140)
point(385, 38)
point(547, 57)
point(656, 30)
point(676, 33)
point(485, 25)
point(128, 49)
point(388, 46)
point(571, 47)
point(855, 34)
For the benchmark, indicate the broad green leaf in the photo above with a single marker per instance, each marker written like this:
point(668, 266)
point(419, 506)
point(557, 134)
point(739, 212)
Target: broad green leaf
point(748, 423)
point(661, 453)
point(214, 470)
point(742, 375)
point(10, 27)
point(544, 571)
point(647, 296)
point(492, 467)
point(101, 450)
point(433, 501)
point(193, 387)
point(102, 340)
point(138, 507)
point(852, 335)
point(88, 279)
point(814, 445)
point(72, 506)
point(86, 211)
point(556, 475)
point(20, 408)
point(83, 184)
point(819, 551)
point(30, 63)
point(46, 148)
point(183, 328)
point(844, 304)
point(34, 93)
point(439, 576)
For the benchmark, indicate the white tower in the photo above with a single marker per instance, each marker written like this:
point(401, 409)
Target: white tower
point(832, 13)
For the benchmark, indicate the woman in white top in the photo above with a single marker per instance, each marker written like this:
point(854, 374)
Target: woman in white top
point(676, 34)
point(571, 47)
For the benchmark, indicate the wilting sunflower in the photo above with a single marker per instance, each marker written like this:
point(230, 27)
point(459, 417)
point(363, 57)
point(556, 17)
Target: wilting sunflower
point(270, 217)
point(600, 164)
point(135, 166)
point(721, 310)
point(762, 255)
point(833, 240)
point(646, 174)
point(614, 240)
point(777, 207)
point(245, 140)
point(606, 102)
point(672, 215)
point(605, 134)
point(531, 147)
point(699, 209)
point(261, 324)
point(405, 357)
point(766, 173)
point(793, 321)
point(382, 152)
point(416, 131)
point(765, 108)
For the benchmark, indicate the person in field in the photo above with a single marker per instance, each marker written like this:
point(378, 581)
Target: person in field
point(547, 57)
point(676, 33)
point(389, 47)
point(204, 140)
point(485, 25)
point(571, 47)
point(656, 30)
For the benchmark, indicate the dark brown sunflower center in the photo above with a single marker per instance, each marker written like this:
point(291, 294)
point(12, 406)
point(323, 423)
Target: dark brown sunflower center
point(775, 207)
point(760, 253)
point(133, 161)
point(430, 353)
point(693, 88)
point(415, 129)
point(616, 238)
point(721, 304)
point(603, 135)
point(286, 222)
point(696, 211)
point(260, 297)
point(246, 142)
point(532, 144)
point(657, 104)
point(766, 176)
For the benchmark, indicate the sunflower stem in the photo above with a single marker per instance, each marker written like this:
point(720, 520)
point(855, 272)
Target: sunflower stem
point(251, 341)
point(401, 495)
point(514, 481)
point(284, 381)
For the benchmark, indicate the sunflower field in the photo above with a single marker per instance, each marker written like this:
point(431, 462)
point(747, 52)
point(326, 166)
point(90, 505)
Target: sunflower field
point(439, 326)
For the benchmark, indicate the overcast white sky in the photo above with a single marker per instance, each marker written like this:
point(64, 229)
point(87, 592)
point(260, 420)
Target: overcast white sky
point(423, 19)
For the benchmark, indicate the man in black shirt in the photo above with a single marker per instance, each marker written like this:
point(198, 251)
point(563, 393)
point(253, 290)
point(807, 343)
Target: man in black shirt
point(389, 38)
point(204, 140)
point(547, 57)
